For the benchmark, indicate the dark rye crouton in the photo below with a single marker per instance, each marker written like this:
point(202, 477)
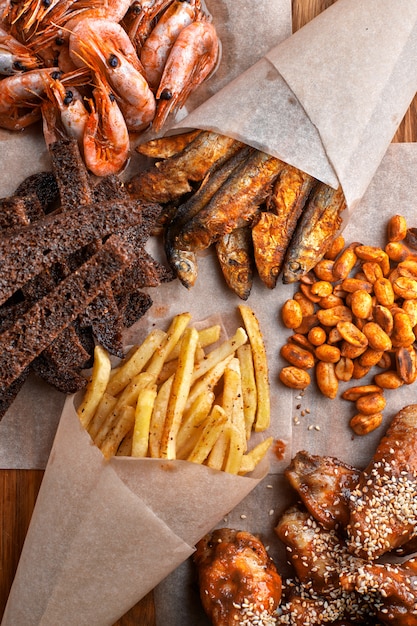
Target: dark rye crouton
point(26, 252)
point(44, 186)
point(33, 332)
point(71, 174)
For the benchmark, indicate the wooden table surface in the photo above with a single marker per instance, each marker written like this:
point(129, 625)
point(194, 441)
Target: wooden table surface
point(19, 488)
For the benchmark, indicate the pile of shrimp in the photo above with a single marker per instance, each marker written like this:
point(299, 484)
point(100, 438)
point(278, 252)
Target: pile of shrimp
point(101, 71)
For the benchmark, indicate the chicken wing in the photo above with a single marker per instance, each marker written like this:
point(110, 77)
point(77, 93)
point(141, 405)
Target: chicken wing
point(383, 507)
point(392, 587)
point(239, 583)
point(324, 484)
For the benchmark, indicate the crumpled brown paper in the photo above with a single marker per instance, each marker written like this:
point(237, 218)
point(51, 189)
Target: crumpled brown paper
point(328, 99)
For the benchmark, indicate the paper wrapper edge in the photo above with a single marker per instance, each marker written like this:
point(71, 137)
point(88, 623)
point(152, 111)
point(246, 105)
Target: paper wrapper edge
point(103, 534)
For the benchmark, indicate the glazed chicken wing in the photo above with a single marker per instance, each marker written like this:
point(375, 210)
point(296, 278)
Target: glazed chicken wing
point(324, 484)
point(392, 587)
point(237, 578)
point(383, 507)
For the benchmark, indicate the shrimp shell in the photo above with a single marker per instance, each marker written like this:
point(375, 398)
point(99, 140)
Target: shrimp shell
point(192, 58)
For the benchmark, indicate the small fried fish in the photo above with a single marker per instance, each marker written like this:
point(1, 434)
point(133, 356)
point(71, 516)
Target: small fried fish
point(319, 223)
point(235, 255)
point(170, 179)
point(165, 147)
point(235, 204)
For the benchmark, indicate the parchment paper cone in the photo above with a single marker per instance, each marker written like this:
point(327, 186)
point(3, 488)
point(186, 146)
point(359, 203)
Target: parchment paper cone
point(103, 534)
point(329, 98)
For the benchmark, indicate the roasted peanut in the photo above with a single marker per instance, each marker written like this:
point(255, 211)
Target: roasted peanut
point(291, 313)
point(353, 284)
point(402, 333)
point(331, 301)
point(298, 356)
point(317, 336)
point(389, 379)
point(383, 316)
point(372, 271)
point(396, 228)
point(406, 361)
point(397, 251)
point(352, 334)
point(307, 291)
point(405, 287)
point(326, 379)
point(307, 306)
point(363, 424)
point(324, 270)
point(301, 340)
point(377, 337)
point(357, 391)
point(384, 291)
point(369, 253)
point(350, 351)
point(359, 371)
point(335, 247)
point(322, 288)
point(334, 336)
point(411, 238)
point(344, 369)
point(410, 307)
point(331, 317)
point(407, 268)
point(294, 377)
point(308, 322)
point(385, 361)
point(329, 354)
point(361, 304)
point(370, 357)
point(371, 403)
point(344, 263)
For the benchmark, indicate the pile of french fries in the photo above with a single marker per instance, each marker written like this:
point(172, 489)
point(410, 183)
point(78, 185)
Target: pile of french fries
point(183, 394)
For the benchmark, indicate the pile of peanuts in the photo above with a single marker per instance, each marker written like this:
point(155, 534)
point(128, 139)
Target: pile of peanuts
point(355, 310)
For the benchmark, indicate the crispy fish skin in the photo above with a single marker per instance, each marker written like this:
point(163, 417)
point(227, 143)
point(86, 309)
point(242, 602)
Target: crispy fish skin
point(236, 202)
point(184, 262)
point(319, 223)
point(234, 252)
point(272, 233)
point(170, 179)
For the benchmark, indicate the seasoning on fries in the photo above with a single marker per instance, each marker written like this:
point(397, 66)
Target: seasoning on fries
point(204, 412)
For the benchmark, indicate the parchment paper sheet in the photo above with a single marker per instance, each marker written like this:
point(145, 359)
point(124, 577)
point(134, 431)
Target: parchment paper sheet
point(329, 98)
point(103, 534)
point(27, 430)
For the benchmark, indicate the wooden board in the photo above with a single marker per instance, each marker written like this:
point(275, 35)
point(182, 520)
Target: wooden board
point(19, 488)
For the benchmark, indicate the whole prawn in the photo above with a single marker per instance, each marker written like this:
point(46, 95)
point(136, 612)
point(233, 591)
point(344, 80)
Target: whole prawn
point(157, 46)
point(106, 139)
point(15, 56)
point(63, 112)
point(140, 18)
point(20, 97)
point(112, 59)
point(192, 58)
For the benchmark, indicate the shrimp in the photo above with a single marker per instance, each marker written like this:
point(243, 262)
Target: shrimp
point(111, 58)
point(65, 107)
point(15, 56)
point(20, 97)
point(23, 19)
point(140, 19)
point(192, 58)
point(106, 138)
point(157, 46)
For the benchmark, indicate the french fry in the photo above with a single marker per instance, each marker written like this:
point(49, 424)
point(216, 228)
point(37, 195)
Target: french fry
point(143, 413)
point(192, 419)
point(161, 354)
point(235, 451)
point(263, 412)
point(225, 349)
point(105, 407)
point(211, 431)
point(128, 397)
point(206, 337)
point(137, 361)
point(249, 391)
point(251, 459)
point(167, 399)
point(158, 417)
point(96, 386)
point(123, 424)
point(179, 393)
point(208, 382)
